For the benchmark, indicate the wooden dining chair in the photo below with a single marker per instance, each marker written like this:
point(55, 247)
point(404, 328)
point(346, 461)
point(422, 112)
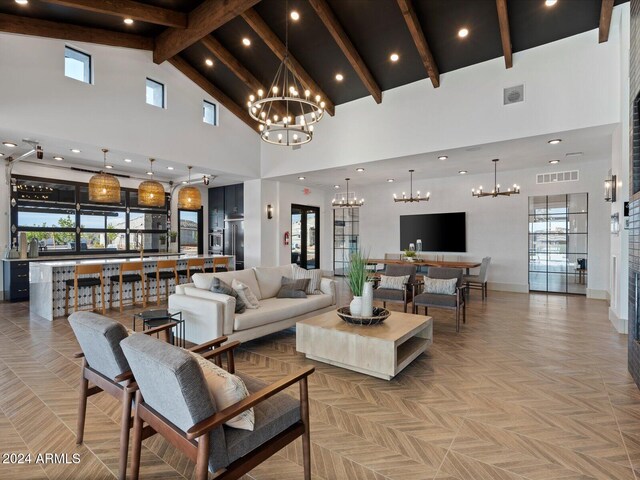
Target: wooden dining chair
point(165, 270)
point(130, 273)
point(80, 281)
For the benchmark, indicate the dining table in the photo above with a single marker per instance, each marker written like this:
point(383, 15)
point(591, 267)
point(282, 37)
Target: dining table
point(423, 262)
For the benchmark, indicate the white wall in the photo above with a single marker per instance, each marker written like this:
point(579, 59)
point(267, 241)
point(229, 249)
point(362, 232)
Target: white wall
point(496, 227)
point(37, 99)
point(569, 84)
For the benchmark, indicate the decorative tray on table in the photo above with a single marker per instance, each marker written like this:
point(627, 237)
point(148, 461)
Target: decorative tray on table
point(379, 316)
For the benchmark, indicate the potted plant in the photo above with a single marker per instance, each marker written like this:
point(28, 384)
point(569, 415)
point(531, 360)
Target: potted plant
point(173, 242)
point(357, 279)
point(410, 255)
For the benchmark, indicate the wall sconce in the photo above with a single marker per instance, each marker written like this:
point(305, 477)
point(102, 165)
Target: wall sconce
point(610, 189)
point(269, 211)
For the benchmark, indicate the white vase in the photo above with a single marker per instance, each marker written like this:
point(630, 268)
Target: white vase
point(355, 307)
point(367, 299)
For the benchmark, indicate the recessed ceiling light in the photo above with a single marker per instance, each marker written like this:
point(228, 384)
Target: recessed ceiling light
point(390, 180)
point(553, 162)
point(184, 182)
point(339, 77)
point(442, 157)
point(550, 3)
point(75, 150)
point(394, 57)
point(463, 32)
point(22, 2)
point(128, 160)
point(555, 141)
point(336, 186)
point(58, 157)
point(360, 169)
point(209, 62)
point(128, 21)
point(301, 178)
point(169, 168)
point(462, 172)
point(295, 16)
point(9, 144)
point(246, 42)
point(1, 154)
point(149, 173)
point(108, 166)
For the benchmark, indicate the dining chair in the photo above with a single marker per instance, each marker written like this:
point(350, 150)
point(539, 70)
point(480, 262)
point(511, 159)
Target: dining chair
point(130, 273)
point(479, 282)
point(454, 301)
point(165, 270)
point(80, 280)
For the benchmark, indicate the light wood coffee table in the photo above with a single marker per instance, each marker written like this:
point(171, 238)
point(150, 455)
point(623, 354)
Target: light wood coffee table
point(380, 350)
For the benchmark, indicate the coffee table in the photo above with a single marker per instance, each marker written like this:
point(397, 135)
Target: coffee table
point(381, 351)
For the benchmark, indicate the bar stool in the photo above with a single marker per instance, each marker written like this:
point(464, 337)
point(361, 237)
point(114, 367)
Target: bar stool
point(77, 283)
point(192, 264)
point(163, 273)
point(131, 278)
point(220, 264)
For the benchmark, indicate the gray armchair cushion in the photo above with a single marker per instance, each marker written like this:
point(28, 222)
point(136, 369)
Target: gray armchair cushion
point(388, 295)
point(271, 417)
point(400, 270)
point(471, 278)
point(99, 338)
point(435, 300)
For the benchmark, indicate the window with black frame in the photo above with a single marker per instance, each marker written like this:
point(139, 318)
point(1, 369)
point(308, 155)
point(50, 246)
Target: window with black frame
point(63, 220)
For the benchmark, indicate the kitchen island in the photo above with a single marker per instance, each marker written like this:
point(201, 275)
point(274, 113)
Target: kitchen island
point(47, 279)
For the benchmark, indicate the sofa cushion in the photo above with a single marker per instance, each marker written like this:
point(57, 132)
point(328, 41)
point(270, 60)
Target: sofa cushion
point(245, 293)
point(293, 288)
point(270, 279)
point(315, 277)
point(248, 277)
point(218, 286)
point(276, 309)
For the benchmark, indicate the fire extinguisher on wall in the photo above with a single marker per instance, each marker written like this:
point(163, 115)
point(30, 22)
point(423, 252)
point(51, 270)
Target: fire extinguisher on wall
point(286, 238)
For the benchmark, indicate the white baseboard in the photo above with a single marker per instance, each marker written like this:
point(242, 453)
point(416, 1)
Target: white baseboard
point(597, 294)
point(508, 287)
point(620, 324)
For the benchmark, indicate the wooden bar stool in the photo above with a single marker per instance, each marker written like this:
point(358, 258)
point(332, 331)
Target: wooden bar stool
point(77, 283)
point(131, 278)
point(192, 264)
point(165, 270)
point(220, 264)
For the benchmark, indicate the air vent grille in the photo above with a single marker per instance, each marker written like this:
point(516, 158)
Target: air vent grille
point(511, 95)
point(568, 176)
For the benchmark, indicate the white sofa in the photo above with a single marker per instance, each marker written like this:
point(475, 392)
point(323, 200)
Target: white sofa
point(208, 315)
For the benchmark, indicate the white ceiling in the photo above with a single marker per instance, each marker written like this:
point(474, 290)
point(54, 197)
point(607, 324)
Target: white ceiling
point(594, 143)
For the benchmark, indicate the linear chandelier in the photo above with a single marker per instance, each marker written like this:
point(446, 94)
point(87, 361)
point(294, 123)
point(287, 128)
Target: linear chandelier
point(344, 201)
point(411, 198)
point(286, 113)
point(496, 186)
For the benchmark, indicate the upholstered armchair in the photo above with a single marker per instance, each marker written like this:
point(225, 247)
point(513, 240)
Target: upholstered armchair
point(174, 400)
point(404, 295)
point(453, 300)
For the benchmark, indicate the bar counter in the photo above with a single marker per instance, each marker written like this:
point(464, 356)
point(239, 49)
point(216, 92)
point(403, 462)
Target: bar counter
point(47, 280)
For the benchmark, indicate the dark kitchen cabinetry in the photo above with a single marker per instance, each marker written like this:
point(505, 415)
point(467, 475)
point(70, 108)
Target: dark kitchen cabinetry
point(234, 201)
point(226, 221)
point(16, 280)
point(216, 209)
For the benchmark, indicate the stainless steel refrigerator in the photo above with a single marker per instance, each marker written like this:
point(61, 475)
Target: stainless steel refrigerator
point(234, 239)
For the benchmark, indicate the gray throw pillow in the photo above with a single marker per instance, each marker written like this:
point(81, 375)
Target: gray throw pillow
point(218, 286)
point(293, 288)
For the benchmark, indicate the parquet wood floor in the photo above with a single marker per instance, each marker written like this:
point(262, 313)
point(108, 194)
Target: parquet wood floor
point(533, 387)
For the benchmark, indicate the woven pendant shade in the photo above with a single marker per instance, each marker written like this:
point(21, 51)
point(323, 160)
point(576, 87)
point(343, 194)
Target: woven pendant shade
point(104, 188)
point(189, 198)
point(150, 192)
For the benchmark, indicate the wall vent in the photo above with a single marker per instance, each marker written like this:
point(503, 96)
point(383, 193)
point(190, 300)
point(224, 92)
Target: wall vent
point(512, 95)
point(569, 176)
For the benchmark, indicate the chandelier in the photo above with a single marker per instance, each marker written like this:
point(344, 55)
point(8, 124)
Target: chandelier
point(346, 200)
point(150, 192)
point(496, 186)
point(189, 197)
point(104, 188)
point(285, 112)
point(411, 198)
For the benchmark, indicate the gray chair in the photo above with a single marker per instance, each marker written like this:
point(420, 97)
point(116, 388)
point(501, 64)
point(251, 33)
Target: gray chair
point(174, 400)
point(454, 302)
point(404, 296)
point(478, 282)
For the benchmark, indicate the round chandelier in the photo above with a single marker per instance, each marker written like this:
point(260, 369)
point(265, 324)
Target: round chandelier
point(189, 197)
point(150, 192)
point(411, 198)
point(346, 200)
point(496, 186)
point(104, 188)
point(286, 112)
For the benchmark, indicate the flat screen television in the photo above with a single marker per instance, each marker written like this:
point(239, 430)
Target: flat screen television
point(439, 232)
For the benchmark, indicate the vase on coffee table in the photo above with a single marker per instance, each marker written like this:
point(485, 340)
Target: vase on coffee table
point(355, 307)
point(367, 299)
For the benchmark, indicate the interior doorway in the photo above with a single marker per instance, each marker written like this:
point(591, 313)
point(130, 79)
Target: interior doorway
point(305, 236)
point(190, 231)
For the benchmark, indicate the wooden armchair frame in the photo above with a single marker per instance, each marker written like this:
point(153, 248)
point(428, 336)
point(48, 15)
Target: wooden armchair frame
point(460, 304)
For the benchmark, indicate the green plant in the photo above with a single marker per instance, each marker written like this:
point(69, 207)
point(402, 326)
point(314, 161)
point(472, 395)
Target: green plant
point(173, 236)
point(409, 253)
point(357, 272)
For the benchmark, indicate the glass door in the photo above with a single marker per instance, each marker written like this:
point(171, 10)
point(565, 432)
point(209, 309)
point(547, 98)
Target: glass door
point(346, 222)
point(305, 236)
point(558, 242)
point(190, 231)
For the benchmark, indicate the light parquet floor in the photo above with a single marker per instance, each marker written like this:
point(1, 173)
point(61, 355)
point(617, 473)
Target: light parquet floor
point(533, 387)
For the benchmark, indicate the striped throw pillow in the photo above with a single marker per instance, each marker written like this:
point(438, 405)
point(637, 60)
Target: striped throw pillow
point(440, 286)
point(393, 283)
point(314, 276)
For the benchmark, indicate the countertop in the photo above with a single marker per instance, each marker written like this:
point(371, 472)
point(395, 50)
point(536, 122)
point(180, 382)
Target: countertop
point(48, 261)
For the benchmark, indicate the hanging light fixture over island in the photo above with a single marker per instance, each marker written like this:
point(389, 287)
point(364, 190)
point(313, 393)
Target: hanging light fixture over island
point(103, 187)
point(189, 197)
point(150, 192)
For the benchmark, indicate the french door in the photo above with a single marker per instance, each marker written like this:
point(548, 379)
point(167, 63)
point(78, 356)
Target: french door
point(305, 236)
point(190, 231)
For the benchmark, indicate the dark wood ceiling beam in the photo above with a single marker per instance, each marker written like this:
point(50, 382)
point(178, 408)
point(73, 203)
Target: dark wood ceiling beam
point(196, 77)
point(66, 31)
point(332, 24)
point(231, 62)
point(606, 10)
point(411, 19)
point(278, 48)
point(128, 9)
point(202, 20)
point(505, 36)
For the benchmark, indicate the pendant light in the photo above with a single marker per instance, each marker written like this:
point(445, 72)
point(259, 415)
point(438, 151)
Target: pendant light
point(189, 197)
point(104, 188)
point(346, 200)
point(150, 192)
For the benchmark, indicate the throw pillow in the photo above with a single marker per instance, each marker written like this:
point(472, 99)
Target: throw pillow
point(226, 389)
point(293, 288)
point(393, 283)
point(440, 286)
point(315, 277)
point(218, 286)
point(245, 293)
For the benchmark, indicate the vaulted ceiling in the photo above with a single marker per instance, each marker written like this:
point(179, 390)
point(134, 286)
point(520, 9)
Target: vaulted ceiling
point(354, 38)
